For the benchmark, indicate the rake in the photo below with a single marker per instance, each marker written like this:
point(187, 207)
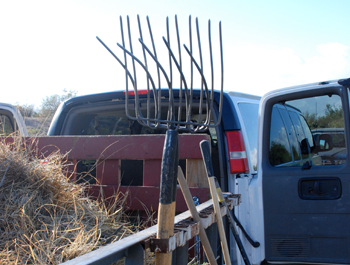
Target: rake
point(185, 111)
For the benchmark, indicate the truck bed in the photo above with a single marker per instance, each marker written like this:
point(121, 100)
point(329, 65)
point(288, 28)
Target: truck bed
point(105, 162)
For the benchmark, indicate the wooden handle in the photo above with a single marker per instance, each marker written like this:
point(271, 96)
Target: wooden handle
point(190, 204)
point(222, 234)
point(167, 196)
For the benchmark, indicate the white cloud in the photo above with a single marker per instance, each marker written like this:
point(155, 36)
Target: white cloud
point(257, 70)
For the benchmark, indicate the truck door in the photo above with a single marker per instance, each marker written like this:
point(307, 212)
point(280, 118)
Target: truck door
point(305, 179)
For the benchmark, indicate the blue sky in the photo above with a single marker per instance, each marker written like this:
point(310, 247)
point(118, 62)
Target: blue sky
point(48, 46)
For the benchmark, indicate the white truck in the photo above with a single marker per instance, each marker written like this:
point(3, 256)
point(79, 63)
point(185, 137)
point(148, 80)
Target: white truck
point(11, 121)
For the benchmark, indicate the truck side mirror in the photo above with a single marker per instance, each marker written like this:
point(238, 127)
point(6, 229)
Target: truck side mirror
point(324, 142)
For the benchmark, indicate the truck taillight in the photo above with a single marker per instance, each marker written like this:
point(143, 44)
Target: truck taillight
point(236, 152)
point(139, 92)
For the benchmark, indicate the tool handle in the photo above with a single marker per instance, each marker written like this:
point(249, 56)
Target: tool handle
point(190, 204)
point(219, 221)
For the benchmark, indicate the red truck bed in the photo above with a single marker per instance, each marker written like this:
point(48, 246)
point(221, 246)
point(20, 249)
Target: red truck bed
point(110, 151)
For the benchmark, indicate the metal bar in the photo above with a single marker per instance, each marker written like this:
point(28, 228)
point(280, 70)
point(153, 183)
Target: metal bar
point(212, 234)
point(180, 255)
point(134, 255)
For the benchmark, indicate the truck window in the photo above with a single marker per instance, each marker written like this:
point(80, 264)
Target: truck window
point(315, 126)
point(6, 125)
point(297, 127)
point(291, 133)
point(280, 151)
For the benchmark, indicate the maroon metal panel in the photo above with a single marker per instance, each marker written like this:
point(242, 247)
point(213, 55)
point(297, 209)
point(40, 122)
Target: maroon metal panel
point(107, 172)
point(141, 197)
point(112, 148)
point(151, 172)
point(117, 147)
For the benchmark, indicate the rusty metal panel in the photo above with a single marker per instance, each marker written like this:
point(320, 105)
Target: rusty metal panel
point(107, 172)
point(116, 147)
point(151, 172)
point(182, 233)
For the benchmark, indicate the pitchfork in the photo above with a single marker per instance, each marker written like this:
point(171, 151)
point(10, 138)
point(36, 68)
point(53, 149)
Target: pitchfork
point(173, 123)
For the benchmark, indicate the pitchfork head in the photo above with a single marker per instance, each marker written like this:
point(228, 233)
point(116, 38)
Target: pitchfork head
point(186, 109)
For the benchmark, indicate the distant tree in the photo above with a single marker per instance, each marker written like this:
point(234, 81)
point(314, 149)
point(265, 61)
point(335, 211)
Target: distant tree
point(311, 119)
point(50, 104)
point(26, 110)
point(333, 118)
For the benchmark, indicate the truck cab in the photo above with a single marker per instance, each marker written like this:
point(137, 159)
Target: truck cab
point(11, 121)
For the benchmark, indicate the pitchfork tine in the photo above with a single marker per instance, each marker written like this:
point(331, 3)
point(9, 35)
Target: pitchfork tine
point(189, 113)
point(119, 61)
point(184, 101)
point(137, 102)
point(158, 113)
point(145, 60)
point(126, 75)
point(180, 70)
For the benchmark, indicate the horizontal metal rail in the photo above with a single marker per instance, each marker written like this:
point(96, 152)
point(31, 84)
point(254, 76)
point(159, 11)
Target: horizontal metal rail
point(133, 247)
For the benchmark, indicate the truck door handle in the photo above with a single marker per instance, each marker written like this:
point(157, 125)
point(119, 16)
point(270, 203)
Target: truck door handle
point(317, 188)
point(322, 188)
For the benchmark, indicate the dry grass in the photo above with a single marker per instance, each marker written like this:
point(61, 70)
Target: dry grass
point(44, 218)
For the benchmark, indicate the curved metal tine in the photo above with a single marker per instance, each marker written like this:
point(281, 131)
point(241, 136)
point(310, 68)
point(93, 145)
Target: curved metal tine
point(178, 66)
point(212, 75)
point(222, 76)
point(157, 62)
point(180, 71)
point(137, 102)
point(158, 113)
point(201, 62)
point(126, 71)
point(145, 60)
point(147, 72)
point(119, 61)
point(203, 126)
point(171, 110)
point(189, 110)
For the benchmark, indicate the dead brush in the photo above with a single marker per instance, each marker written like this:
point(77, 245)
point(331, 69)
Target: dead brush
point(44, 218)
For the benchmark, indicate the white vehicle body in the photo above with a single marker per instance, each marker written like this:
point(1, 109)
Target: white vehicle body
point(11, 114)
point(294, 226)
